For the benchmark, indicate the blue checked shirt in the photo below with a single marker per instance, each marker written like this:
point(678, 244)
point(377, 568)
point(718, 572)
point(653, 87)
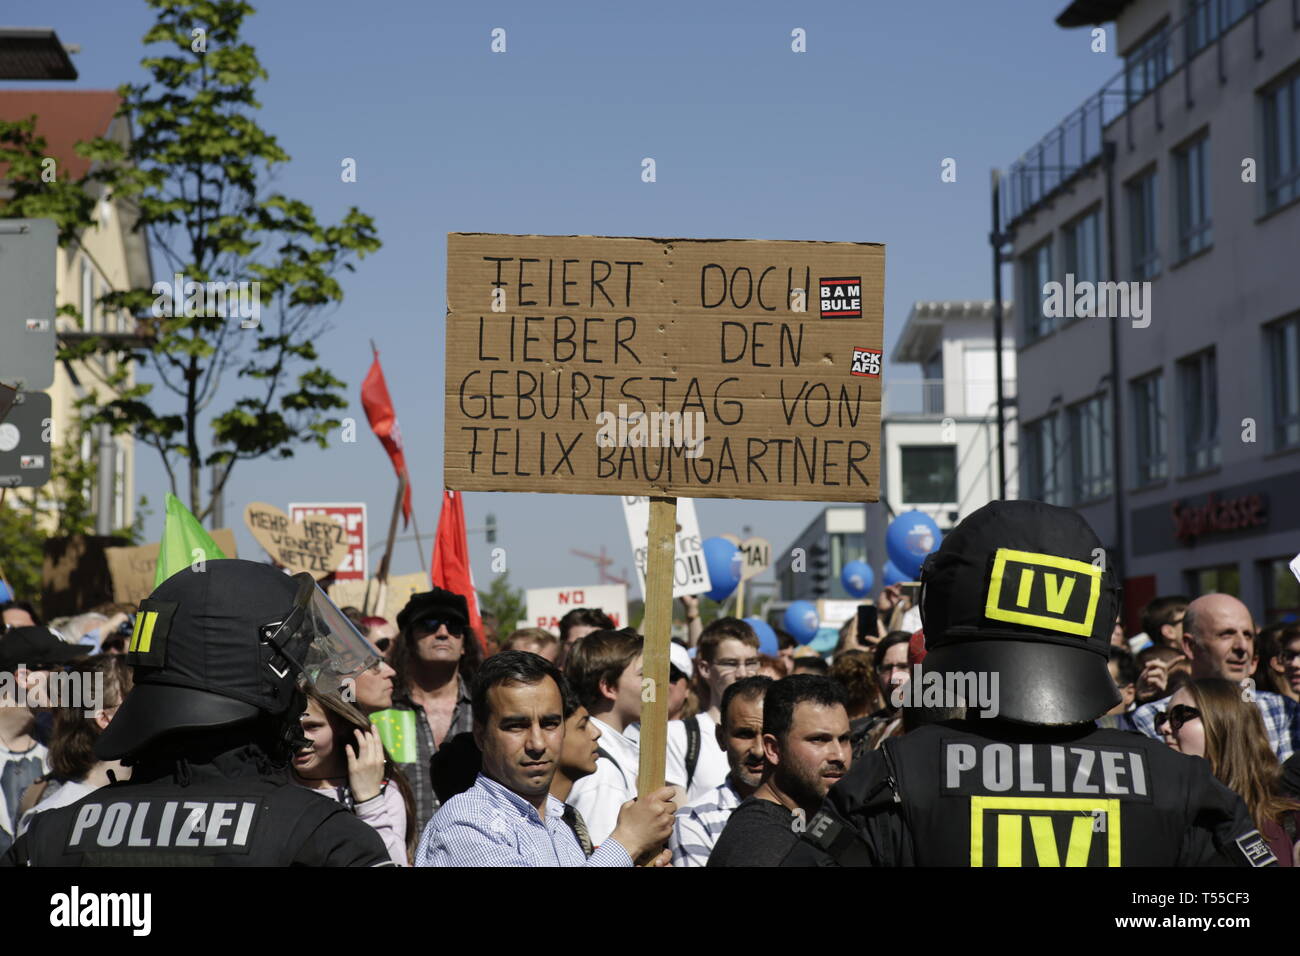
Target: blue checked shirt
point(1281, 720)
point(489, 825)
point(697, 827)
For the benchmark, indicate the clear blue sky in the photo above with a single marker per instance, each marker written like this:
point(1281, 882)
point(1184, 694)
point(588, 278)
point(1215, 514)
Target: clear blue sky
point(751, 140)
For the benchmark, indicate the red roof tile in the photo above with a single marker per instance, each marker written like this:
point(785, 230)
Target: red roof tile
point(64, 117)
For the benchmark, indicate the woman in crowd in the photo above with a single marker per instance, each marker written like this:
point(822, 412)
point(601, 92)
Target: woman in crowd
point(1209, 718)
point(345, 760)
point(74, 769)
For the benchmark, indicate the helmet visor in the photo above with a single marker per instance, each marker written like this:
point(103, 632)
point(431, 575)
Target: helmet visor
point(328, 649)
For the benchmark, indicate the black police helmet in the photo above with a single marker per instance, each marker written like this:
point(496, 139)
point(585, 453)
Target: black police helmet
point(1022, 588)
point(202, 657)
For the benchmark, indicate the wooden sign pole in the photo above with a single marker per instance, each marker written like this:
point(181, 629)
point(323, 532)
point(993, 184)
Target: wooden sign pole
point(382, 576)
point(661, 543)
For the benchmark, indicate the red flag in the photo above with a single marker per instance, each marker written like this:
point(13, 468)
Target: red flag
point(451, 559)
point(383, 420)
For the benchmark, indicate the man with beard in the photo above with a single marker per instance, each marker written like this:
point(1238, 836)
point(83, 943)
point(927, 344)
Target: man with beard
point(741, 736)
point(806, 747)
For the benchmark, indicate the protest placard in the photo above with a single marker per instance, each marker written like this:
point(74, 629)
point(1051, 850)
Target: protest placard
point(315, 545)
point(352, 517)
point(692, 368)
point(690, 572)
point(132, 569)
point(546, 606)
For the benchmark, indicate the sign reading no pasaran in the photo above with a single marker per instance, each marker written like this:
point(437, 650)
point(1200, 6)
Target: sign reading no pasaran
point(750, 346)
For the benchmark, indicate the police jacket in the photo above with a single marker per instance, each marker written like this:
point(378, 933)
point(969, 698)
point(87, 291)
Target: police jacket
point(989, 793)
point(234, 810)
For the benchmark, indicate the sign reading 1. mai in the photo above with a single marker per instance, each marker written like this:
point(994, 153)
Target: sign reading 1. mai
point(664, 367)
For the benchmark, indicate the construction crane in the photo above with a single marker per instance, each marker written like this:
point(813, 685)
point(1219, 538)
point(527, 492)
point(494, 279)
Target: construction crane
point(602, 562)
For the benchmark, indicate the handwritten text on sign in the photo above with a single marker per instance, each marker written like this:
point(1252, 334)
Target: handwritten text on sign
point(582, 365)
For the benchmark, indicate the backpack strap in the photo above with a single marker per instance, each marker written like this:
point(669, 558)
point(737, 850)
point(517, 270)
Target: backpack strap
point(602, 752)
point(693, 734)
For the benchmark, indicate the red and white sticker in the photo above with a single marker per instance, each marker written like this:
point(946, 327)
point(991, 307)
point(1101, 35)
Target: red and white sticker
point(867, 362)
point(841, 298)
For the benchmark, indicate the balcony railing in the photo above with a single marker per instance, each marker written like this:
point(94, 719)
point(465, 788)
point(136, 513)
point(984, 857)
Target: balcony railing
point(1077, 141)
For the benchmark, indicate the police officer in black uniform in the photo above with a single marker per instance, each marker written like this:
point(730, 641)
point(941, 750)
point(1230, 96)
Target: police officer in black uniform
point(220, 656)
point(1020, 591)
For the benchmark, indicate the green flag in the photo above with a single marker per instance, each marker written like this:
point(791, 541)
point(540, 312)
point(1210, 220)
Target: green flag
point(183, 536)
point(397, 731)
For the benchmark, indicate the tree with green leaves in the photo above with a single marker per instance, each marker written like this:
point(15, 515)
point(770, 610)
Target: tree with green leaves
point(195, 180)
point(505, 603)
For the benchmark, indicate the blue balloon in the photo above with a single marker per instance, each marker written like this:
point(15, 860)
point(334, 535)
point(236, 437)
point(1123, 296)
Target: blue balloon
point(891, 575)
point(767, 642)
point(801, 621)
point(723, 560)
point(5, 593)
point(909, 538)
point(857, 578)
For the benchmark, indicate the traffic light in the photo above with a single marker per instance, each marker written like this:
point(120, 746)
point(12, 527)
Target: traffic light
point(491, 528)
point(820, 569)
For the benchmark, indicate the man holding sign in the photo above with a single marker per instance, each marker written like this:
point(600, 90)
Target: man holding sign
point(662, 368)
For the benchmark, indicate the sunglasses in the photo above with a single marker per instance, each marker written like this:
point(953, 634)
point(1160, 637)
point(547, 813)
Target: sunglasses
point(1176, 717)
point(382, 644)
point(430, 625)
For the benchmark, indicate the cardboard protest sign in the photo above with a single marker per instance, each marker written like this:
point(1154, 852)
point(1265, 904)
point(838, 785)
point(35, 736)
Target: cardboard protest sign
point(672, 367)
point(690, 572)
point(353, 519)
point(315, 545)
point(133, 569)
point(547, 605)
point(399, 589)
point(756, 557)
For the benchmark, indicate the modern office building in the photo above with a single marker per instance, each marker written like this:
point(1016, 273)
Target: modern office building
point(939, 433)
point(1159, 383)
point(835, 537)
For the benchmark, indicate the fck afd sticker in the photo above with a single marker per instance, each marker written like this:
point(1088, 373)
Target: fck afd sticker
point(866, 362)
point(842, 298)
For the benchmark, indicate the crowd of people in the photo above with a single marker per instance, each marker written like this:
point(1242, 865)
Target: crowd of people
point(461, 749)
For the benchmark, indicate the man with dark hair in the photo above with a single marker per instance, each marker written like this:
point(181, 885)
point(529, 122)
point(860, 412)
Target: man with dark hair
point(576, 625)
point(741, 736)
point(1288, 640)
point(811, 664)
point(605, 672)
point(1162, 620)
point(726, 652)
point(434, 657)
point(806, 749)
point(510, 817)
point(1124, 672)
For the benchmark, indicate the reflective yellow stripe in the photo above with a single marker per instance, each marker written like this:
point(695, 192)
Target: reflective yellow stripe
point(1045, 841)
point(1009, 832)
point(1080, 842)
point(135, 633)
point(146, 631)
point(1058, 597)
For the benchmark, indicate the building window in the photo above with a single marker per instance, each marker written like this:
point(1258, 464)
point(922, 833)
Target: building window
point(1200, 405)
point(1283, 340)
point(1281, 590)
point(1144, 254)
point(1041, 461)
point(1222, 579)
point(1149, 428)
point(929, 474)
point(932, 384)
point(1083, 248)
point(1090, 449)
point(1036, 272)
point(1206, 19)
point(1148, 64)
point(1281, 108)
point(1191, 170)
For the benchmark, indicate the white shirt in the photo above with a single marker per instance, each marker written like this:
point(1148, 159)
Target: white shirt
point(599, 796)
point(711, 767)
point(56, 795)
